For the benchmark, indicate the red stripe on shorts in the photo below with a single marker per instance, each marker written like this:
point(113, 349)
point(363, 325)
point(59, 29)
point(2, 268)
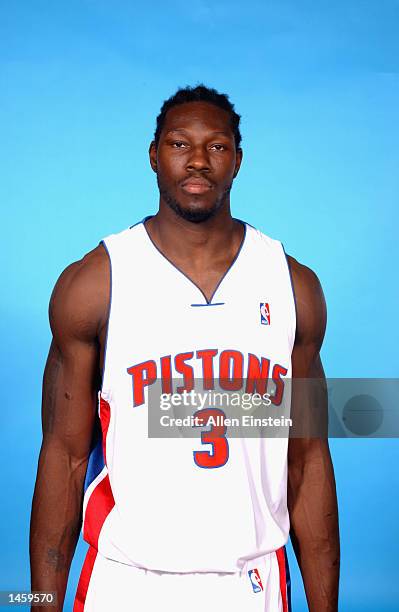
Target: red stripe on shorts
point(100, 504)
point(84, 580)
point(283, 577)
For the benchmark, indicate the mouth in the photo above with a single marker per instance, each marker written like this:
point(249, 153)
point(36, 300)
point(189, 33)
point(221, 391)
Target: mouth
point(196, 185)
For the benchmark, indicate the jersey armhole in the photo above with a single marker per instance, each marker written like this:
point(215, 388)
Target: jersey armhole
point(103, 373)
point(293, 295)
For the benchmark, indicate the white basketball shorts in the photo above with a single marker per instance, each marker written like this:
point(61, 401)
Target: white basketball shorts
point(263, 585)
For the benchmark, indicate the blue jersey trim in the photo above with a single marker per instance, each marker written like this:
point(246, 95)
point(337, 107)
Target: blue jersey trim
point(95, 464)
point(210, 304)
point(142, 221)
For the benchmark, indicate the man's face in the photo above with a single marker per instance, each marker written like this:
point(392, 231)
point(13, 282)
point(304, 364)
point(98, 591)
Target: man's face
point(195, 160)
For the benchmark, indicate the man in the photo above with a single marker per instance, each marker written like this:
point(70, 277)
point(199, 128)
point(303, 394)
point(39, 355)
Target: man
point(183, 524)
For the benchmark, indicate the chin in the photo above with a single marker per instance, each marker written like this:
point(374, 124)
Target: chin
point(195, 212)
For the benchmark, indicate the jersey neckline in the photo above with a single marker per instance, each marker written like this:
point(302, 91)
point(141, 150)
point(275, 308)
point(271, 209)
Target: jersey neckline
point(182, 273)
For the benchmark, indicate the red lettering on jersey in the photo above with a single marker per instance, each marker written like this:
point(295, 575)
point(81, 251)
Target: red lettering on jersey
point(186, 370)
point(233, 381)
point(143, 375)
point(166, 374)
point(207, 356)
point(278, 371)
point(216, 436)
point(231, 367)
point(257, 375)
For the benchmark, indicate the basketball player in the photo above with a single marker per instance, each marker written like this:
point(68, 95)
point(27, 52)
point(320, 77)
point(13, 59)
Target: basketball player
point(182, 524)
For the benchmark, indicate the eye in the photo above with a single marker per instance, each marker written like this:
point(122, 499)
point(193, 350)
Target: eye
point(218, 147)
point(178, 144)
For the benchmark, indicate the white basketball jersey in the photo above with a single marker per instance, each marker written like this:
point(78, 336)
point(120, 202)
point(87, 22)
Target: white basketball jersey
point(184, 504)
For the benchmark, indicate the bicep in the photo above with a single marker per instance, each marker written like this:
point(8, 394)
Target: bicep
point(71, 377)
point(308, 449)
point(69, 397)
point(309, 403)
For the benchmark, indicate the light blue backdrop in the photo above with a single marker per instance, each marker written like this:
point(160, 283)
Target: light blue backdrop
point(317, 85)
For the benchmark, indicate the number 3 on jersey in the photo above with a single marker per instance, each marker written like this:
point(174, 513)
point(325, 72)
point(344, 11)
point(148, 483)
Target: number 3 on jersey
point(216, 436)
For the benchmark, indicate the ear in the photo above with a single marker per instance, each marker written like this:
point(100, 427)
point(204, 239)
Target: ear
point(153, 155)
point(239, 155)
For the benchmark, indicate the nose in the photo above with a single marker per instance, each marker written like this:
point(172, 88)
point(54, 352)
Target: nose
point(198, 159)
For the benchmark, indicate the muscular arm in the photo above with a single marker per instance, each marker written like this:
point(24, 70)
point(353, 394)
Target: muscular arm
point(78, 310)
point(312, 498)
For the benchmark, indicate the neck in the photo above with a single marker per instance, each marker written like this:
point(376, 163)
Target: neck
point(198, 242)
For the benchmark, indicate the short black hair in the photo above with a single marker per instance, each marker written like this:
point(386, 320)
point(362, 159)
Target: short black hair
point(199, 93)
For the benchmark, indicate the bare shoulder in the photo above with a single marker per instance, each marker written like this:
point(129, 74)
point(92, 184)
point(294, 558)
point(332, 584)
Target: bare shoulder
point(80, 299)
point(310, 303)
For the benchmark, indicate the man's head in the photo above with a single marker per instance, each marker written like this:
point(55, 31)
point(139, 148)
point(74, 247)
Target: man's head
point(195, 152)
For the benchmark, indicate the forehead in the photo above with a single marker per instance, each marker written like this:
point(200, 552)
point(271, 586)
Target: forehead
point(197, 115)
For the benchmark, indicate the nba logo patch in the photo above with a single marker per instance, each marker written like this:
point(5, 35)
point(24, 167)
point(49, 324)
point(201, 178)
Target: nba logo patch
point(256, 582)
point(265, 313)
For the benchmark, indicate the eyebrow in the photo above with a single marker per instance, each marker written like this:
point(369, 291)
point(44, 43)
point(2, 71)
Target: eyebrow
point(183, 131)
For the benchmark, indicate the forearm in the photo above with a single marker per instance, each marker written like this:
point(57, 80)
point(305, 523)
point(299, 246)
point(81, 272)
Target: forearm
point(314, 529)
point(55, 520)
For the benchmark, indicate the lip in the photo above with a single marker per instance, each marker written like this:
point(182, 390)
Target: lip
point(196, 185)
